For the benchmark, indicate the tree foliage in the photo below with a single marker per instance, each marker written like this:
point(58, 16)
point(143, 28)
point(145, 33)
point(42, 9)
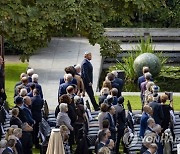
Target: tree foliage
point(30, 24)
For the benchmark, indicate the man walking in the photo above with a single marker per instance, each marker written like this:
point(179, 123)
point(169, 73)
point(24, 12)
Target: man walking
point(87, 76)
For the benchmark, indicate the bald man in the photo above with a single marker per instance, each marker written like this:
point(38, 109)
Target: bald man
point(87, 76)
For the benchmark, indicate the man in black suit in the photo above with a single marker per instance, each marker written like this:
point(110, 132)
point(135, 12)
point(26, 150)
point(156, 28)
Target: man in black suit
point(102, 139)
point(18, 134)
point(36, 106)
point(121, 120)
point(112, 123)
point(10, 146)
point(87, 76)
point(157, 112)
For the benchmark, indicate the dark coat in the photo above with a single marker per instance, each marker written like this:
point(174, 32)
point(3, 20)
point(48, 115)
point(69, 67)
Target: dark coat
point(143, 124)
point(141, 79)
point(37, 104)
point(120, 116)
point(87, 72)
point(28, 115)
point(21, 114)
point(102, 98)
point(19, 147)
point(62, 88)
point(157, 112)
point(112, 126)
point(74, 81)
point(15, 121)
point(120, 83)
point(116, 85)
point(7, 151)
point(166, 120)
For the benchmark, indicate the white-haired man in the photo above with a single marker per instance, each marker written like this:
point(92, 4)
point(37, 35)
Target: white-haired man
point(18, 134)
point(30, 72)
point(35, 78)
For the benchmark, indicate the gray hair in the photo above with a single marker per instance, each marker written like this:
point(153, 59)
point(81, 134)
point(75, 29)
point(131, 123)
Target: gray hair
point(23, 92)
point(17, 131)
point(68, 77)
point(104, 90)
point(150, 120)
point(115, 73)
point(35, 77)
point(3, 143)
point(30, 71)
point(78, 66)
point(62, 107)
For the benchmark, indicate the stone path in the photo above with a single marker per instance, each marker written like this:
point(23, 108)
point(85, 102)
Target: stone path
point(50, 62)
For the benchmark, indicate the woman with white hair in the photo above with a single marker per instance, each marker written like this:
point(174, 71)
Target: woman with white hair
point(63, 118)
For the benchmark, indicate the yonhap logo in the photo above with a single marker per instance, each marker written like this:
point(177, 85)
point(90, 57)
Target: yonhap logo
point(130, 139)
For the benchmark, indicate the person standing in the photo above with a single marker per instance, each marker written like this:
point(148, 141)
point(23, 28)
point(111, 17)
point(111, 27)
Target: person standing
point(87, 76)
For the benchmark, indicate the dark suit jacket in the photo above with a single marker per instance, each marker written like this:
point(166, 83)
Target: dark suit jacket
point(102, 98)
point(38, 87)
point(141, 79)
point(36, 106)
point(157, 112)
point(120, 83)
point(28, 115)
point(15, 121)
point(116, 85)
point(21, 114)
point(74, 81)
point(19, 147)
point(87, 72)
point(143, 124)
point(112, 126)
point(146, 152)
point(62, 88)
point(120, 116)
point(7, 151)
point(99, 146)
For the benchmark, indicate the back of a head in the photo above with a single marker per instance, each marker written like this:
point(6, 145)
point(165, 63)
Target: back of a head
point(30, 71)
point(115, 73)
point(62, 107)
point(18, 100)
point(70, 70)
point(105, 124)
point(104, 107)
point(11, 143)
point(121, 100)
point(64, 99)
point(70, 89)
point(35, 77)
point(104, 91)
point(104, 150)
point(148, 76)
point(26, 99)
point(77, 67)
point(35, 92)
point(146, 108)
point(157, 128)
point(23, 75)
point(24, 79)
point(145, 69)
point(163, 98)
point(15, 111)
point(3, 143)
point(150, 120)
point(107, 84)
point(114, 91)
point(77, 99)
point(68, 77)
point(110, 76)
point(101, 135)
point(23, 92)
point(17, 131)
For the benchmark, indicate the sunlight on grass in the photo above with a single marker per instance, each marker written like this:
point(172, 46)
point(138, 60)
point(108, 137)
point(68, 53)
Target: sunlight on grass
point(12, 73)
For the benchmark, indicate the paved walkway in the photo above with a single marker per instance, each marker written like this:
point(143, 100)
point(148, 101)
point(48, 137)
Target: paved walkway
point(50, 62)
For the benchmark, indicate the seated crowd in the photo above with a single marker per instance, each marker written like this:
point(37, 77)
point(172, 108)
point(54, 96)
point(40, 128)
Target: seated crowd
point(72, 114)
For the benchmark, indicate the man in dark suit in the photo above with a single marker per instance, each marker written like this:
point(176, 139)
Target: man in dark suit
point(112, 123)
point(10, 146)
point(144, 118)
point(19, 102)
point(27, 110)
point(63, 86)
point(157, 112)
point(36, 106)
point(102, 138)
point(121, 120)
point(87, 76)
point(18, 134)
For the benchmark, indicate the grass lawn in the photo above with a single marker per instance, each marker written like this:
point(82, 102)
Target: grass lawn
point(12, 73)
point(136, 102)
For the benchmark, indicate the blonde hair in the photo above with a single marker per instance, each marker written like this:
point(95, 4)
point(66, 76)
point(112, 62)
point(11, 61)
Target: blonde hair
point(104, 150)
